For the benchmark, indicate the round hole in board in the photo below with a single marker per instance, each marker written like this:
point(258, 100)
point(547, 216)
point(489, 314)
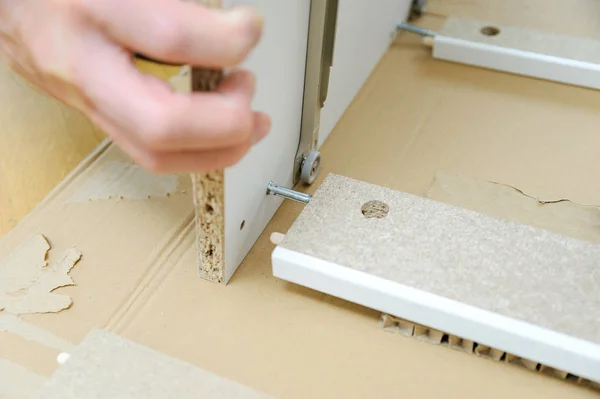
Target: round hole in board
point(242, 225)
point(490, 31)
point(375, 209)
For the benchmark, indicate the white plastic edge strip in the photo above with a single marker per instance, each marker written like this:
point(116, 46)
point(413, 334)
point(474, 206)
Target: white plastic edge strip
point(563, 70)
point(522, 339)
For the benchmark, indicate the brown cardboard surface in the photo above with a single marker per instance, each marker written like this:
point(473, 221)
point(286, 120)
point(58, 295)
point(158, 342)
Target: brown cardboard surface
point(28, 382)
point(137, 276)
point(559, 215)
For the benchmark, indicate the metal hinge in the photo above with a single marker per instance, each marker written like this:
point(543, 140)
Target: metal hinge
point(417, 8)
point(319, 60)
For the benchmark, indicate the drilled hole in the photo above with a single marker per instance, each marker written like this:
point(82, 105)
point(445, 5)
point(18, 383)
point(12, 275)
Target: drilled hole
point(490, 31)
point(375, 209)
point(242, 225)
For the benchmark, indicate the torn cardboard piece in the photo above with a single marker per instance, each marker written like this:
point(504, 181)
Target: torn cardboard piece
point(560, 216)
point(27, 283)
point(105, 365)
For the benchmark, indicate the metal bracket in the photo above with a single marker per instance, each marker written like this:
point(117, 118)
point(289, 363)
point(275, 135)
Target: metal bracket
point(417, 9)
point(319, 60)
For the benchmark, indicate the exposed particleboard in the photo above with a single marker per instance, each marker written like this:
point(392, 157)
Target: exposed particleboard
point(209, 191)
point(105, 365)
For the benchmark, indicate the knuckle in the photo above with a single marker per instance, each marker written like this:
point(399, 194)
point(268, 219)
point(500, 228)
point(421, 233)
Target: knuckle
point(242, 38)
point(154, 129)
point(152, 163)
point(237, 55)
point(239, 121)
point(166, 36)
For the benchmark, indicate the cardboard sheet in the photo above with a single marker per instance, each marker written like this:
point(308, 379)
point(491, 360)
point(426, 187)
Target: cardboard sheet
point(559, 215)
point(16, 382)
point(415, 116)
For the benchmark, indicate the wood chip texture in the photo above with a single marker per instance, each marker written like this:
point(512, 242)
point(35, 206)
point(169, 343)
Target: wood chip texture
point(106, 366)
point(518, 271)
point(209, 194)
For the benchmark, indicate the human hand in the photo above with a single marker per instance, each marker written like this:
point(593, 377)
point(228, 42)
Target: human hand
point(80, 52)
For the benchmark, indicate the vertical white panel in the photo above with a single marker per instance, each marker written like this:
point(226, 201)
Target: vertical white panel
point(364, 32)
point(278, 62)
point(363, 35)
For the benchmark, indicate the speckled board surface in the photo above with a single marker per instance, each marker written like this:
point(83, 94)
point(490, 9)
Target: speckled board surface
point(518, 271)
point(107, 366)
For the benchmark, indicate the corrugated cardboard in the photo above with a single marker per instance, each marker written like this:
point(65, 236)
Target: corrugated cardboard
point(415, 116)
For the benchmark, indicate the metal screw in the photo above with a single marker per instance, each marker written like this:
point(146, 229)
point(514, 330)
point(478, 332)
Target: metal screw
point(273, 189)
point(416, 29)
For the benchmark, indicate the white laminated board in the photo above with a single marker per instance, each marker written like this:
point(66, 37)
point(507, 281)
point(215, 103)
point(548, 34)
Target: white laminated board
point(279, 64)
point(520, 50)
point(526, 291)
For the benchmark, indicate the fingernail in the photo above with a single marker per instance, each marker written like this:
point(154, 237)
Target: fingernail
point(251, 22)
point(261, 127)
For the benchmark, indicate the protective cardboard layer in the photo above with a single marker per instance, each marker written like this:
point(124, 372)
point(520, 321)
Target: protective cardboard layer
point(514, 270)
point(559, 215)
point(28, 283)
point(413, 117)
point(106, 366)
point(16, 382)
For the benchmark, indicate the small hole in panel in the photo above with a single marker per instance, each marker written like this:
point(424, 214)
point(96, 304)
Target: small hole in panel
point(375, 209)
point(490, 31)
point(242, 225)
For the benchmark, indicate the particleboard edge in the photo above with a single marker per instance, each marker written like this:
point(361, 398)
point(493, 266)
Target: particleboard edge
point(209, 190)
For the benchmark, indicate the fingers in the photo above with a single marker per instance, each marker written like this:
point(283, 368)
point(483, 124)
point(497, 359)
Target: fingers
point(178, 31)
point(178, 161)
point(160, 120)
